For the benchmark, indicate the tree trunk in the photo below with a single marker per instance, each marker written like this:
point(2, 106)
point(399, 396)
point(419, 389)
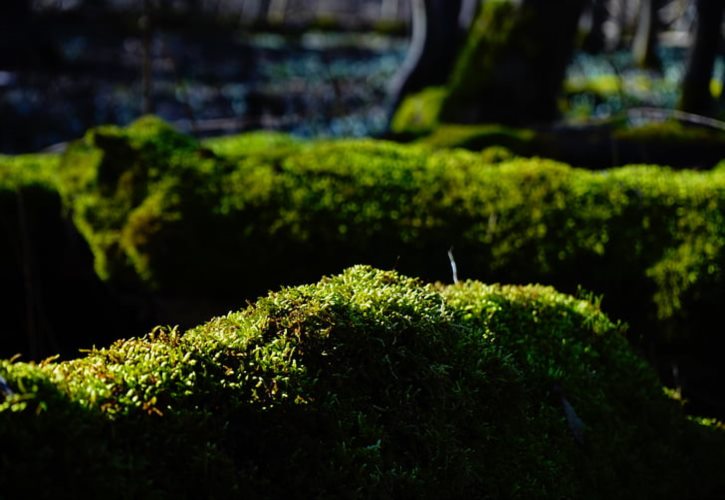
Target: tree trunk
point(644, 46)
point(433, 47)
point(513, 66)
point(596, 39)
point(696, 96)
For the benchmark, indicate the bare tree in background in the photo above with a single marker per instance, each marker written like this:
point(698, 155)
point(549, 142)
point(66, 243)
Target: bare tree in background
point(435, 42)
point(644, 45)
point(696, 96)
point(596, 38)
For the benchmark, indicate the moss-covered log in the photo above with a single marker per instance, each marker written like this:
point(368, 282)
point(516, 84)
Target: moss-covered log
point(365, 385)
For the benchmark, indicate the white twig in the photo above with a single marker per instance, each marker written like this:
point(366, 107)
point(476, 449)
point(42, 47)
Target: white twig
point(454, 268)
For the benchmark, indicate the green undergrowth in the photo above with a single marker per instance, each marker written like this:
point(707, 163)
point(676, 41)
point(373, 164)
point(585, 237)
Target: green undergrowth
point(364, 385)
point(162, 212)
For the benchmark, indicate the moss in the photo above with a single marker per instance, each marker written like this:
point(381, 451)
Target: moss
point(365, 385)
point(668, 132)
point(23, 170)
point(602, 86)
point(113, 176)
point(253, 143)
point(186, 221)
point(512, 66)
point(476, 137)
point(418, 113)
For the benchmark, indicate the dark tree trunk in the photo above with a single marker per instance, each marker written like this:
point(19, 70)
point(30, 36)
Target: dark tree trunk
point(644, 45)
point(434, 44)
point(513, 66)
point(696, 96)
point(596, 40)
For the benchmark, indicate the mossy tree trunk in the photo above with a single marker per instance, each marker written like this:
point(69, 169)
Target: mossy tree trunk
point(513, 65)
point(696, 96)
point(434, 45)
point(644, 46)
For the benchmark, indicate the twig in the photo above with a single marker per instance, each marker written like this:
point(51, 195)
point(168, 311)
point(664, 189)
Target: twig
point(682, 116)
point(454, 268)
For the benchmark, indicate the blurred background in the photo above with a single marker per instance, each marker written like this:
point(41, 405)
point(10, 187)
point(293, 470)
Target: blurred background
point(310, 67)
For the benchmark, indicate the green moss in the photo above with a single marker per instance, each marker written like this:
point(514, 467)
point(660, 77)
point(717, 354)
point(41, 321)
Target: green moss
point(185, 221)
point(39, 169)
point(253, 143)
point(670, 132)
point(602, 86)
point(486, 45)
point(114, 177)
point(365, 385)
point(477, 137)
point(418, 113)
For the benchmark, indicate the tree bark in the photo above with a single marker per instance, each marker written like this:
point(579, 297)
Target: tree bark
point(596, 40)
point(434, 44)
point(513, 66)
point(644, 46)
point(696, 96)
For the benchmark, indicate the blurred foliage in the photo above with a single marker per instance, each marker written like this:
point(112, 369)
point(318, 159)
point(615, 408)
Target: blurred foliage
point(365, 385)
point(418, 113)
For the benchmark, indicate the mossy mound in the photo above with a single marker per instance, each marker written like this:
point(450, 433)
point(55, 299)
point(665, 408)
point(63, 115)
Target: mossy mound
point(161, 211)
point(365, 385)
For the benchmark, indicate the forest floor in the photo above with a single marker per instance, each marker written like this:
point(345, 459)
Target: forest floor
point(311, 84)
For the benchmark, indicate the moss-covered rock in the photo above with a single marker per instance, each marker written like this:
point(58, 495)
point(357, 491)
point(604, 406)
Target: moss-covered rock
point(365, 385)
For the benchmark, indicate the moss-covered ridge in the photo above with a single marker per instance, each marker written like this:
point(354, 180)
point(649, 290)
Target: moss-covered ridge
point(365, 385)
point(162, 211)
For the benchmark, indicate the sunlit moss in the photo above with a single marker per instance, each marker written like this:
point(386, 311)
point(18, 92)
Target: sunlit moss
point(163, 212)
point(476, 137)
point(364, 385)
point(418, 113)
point(600, 85)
